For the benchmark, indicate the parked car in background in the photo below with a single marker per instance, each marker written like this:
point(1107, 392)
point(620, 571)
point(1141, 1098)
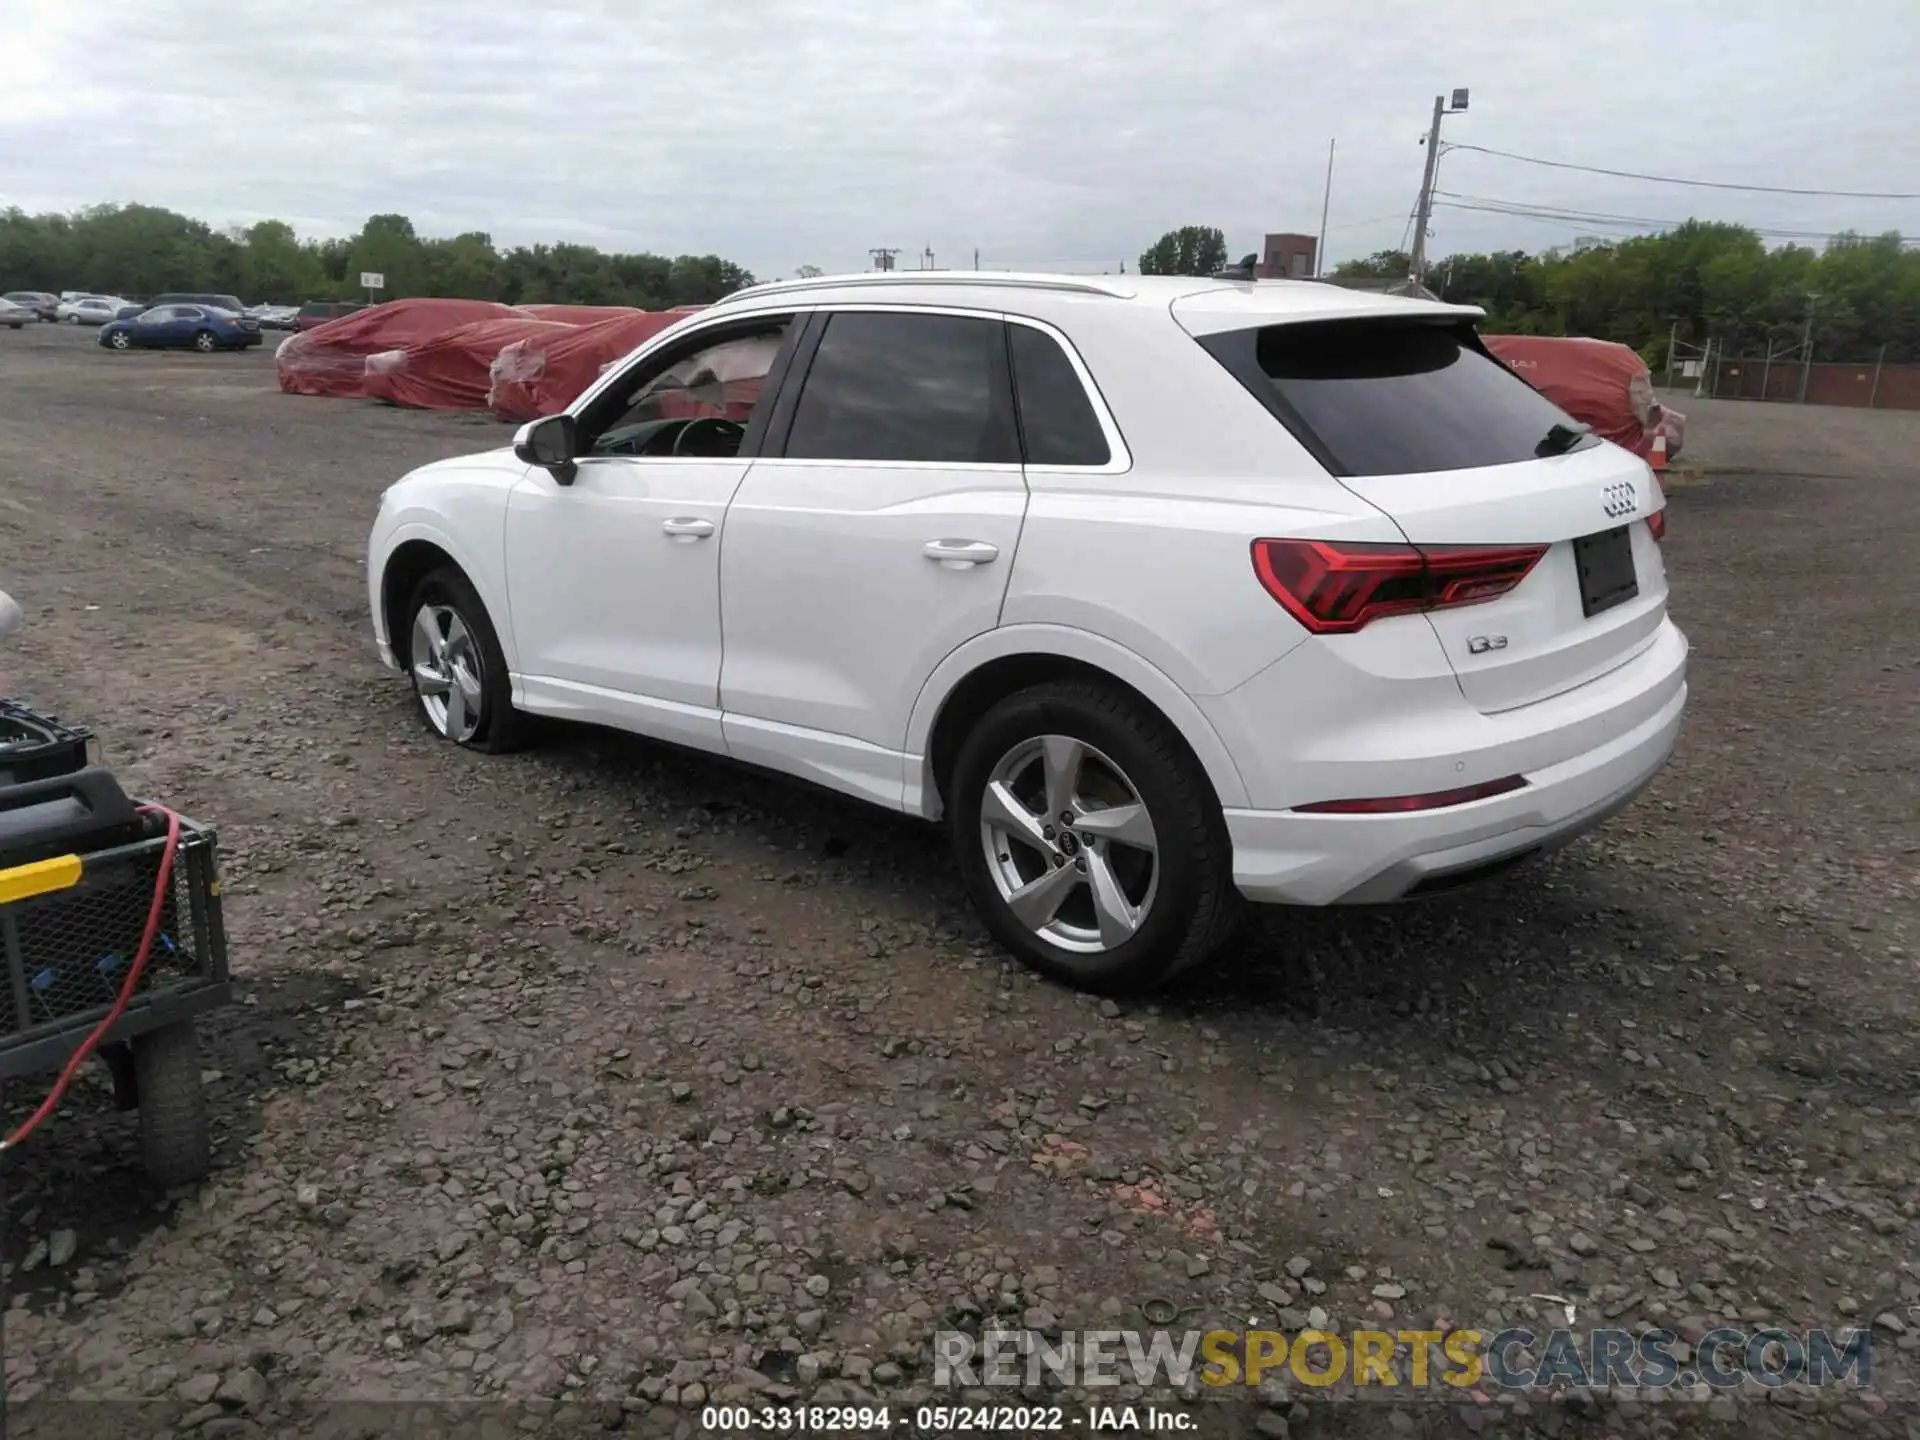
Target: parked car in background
point(319, 312)
point(230, 303)
point(1358, 616)
point(16, 317)
point(43, 305)
point(274, 317)
point(90, 309)
point(182, 327)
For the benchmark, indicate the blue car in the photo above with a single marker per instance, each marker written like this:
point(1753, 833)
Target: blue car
point(182, 327)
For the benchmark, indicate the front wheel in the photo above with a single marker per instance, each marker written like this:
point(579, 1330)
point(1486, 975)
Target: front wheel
point(120, 340)
point(174, 1141)
point(76, 319)
point(458, 669)
point(1091, 839)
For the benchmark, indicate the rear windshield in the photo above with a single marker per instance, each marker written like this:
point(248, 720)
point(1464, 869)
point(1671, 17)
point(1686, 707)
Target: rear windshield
point(1391, 398)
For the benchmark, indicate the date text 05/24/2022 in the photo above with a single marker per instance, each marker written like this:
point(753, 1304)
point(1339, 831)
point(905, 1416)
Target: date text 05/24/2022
point(940, 1420)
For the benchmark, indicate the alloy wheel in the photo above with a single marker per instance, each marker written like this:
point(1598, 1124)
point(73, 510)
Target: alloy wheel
point(447, 672)
point(1069, 843)
point(119, 340)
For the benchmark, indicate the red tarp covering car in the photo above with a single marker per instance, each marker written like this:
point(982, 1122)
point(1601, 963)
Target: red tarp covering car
point(542, 376)
point(581, 314)
point(1598, 382)
point(330, 359)
point(450, 371)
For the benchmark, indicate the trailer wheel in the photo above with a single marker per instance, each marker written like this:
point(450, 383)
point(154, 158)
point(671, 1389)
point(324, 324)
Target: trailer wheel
point(173, 1111)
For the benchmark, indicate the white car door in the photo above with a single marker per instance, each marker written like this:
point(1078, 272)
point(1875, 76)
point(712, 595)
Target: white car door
point(613, 577)
point(875, 534)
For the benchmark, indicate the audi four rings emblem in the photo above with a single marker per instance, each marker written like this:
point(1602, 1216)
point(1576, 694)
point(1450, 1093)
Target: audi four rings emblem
point(1619, 499)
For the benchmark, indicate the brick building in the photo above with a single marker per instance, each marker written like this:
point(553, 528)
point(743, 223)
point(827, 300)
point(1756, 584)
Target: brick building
point(1287, 257)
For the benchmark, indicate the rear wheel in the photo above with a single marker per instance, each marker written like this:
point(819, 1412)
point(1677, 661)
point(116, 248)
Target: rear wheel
point(1091, 839)
point(458, 669)
point(205, 342)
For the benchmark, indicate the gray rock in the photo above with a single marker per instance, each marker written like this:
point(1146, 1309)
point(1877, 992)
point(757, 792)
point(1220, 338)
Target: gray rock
point(1581, 1243)
point(60, 1247)
point(244, 1389)
point(1298, 1266)
point(198, 1389)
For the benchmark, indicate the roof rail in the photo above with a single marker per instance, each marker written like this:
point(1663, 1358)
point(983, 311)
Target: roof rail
point(999, 279)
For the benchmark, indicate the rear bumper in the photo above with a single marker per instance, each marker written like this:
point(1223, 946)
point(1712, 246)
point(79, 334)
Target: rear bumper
point(1285, 857)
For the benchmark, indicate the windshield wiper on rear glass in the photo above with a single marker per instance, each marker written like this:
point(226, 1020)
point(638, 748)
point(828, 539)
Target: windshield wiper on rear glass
point(1562, 438)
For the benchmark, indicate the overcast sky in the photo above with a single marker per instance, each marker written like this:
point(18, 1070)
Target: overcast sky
point(1047, 133)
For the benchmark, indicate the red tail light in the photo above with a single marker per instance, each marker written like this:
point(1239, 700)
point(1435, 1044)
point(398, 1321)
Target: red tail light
point(1336, 588)
point(1401, 804)
point(1657, 524)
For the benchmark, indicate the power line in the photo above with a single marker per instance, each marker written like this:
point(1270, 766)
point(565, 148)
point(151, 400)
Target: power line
point(1522, 210)
point(1702, 184)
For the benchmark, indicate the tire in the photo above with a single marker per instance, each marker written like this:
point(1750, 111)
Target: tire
point(16, 324)
point(469, 645)
point(1179, 893)
point(174, 1141)
point(120, 340)
point(206, 342)
point(76, 319)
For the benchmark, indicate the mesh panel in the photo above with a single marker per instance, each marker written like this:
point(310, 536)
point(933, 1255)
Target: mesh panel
point(68, 952)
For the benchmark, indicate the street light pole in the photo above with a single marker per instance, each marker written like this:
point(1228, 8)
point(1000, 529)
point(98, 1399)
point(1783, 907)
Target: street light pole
point(1320, 250)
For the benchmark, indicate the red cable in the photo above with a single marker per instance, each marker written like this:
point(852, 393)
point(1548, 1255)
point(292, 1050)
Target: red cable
point(154, 914)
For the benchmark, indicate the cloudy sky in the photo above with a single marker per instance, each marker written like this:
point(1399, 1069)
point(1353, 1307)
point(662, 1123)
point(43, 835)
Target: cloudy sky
point(1045, 133)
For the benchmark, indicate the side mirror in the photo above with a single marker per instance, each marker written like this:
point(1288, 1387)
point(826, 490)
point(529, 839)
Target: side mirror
point(550, 444)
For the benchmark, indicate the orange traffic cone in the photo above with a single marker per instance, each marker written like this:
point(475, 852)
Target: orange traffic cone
point(1658, 458)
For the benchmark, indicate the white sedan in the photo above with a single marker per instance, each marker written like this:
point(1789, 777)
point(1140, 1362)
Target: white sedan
point(90, 310)
point(1164, 594)
point(16, 316)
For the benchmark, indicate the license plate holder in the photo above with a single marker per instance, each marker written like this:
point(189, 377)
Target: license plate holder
point(1605, 565)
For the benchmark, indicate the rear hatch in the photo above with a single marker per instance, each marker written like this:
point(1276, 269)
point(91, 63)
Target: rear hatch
point(1560, 575)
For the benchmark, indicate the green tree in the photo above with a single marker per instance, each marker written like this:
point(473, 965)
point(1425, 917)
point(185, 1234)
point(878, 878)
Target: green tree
point(1190, 250)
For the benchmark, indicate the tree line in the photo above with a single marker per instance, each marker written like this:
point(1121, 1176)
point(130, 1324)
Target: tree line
point(1702, 280)
point(1698, 281)
point(146, 250)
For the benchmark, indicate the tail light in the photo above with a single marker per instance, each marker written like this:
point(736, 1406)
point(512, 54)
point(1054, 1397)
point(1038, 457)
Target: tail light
point(1657, 524)
point(1404, 804)
point(1335, 589)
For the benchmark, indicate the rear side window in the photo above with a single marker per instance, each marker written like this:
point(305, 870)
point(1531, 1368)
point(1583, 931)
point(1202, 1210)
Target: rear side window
point(1391, 398)
point(1057, 421)
point(931, 389)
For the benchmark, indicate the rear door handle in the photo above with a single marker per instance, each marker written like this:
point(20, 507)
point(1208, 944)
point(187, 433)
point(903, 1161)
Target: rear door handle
point(961, 552)
point(687, 527)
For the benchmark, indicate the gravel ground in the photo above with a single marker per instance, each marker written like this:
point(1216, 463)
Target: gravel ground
point(612, 1082)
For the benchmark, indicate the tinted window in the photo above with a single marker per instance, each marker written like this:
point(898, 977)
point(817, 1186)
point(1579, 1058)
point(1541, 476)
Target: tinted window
point(1391, 398)
point(1057, 422)
point(929, 388)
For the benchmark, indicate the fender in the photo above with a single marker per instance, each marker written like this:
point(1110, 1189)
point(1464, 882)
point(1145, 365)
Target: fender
point(922, 796)
point(488, 579)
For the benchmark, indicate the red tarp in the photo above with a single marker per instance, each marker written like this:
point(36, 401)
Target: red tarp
point(580, 314)
point(330, 359)
point(543, 376)
point(450, 371)
point(1595, 381)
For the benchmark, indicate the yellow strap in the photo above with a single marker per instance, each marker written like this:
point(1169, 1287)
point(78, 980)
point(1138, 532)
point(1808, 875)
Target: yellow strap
point(25, 881)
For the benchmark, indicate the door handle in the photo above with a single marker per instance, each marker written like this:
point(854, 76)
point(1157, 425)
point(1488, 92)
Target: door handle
point(687, 527)
point(961, 552)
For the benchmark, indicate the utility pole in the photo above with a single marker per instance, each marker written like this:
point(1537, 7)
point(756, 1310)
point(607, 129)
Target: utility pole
point(882, 258)
point(1326, 199)
point(1423, 212)
point(976, 257)
point(926, 258)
